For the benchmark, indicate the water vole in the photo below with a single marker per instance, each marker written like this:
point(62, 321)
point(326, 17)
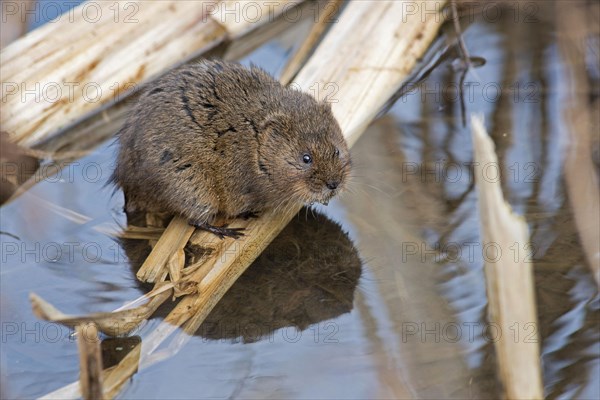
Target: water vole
point(216, 138)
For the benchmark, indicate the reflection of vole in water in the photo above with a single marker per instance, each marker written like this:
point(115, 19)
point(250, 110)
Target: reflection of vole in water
point(217, 138)
point(306, 275)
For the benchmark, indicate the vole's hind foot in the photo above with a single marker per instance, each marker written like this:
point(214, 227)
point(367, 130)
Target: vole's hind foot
point(220, 231)
point(248, 215)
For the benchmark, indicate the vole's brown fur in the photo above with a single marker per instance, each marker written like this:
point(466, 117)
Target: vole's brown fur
point(218, 138)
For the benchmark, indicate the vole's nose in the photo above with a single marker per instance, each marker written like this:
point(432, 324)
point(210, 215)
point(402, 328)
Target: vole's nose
point(332, 185)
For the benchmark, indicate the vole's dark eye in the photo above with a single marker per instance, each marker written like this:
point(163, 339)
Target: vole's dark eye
point(307, 158)
point(337, 152)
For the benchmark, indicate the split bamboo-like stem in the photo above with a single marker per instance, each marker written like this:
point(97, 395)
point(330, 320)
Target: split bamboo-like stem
point(115, 323)
point(177, 235)
point(327, 16)
point(64, 70)
point(509, 278)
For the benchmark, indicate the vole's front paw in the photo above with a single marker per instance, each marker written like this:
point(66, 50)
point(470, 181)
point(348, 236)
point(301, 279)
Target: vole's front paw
point(248, 215)
point(220, 231)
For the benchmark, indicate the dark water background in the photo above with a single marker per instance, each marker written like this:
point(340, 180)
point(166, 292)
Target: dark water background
point(416, 324)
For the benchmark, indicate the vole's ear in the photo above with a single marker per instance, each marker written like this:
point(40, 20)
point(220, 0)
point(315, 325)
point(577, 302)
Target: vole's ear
point(274, 124)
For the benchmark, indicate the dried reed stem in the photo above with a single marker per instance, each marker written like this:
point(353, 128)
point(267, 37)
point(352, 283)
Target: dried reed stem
point(326, 16)
point(59, 72)
point(509, 279)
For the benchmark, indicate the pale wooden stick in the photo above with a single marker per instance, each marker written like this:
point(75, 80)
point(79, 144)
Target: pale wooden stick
point(509, 279)
point(63, 70)
point(114, 380)
point(358, 78)
point(173, 239)
point(284, 23)
point(90, 361)
point(114, 323)
point(295, 62)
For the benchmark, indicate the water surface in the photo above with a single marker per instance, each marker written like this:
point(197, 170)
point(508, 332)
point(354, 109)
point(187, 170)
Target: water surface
point(415, 323)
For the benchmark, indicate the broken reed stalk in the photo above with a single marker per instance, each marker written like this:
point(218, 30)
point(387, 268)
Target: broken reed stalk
point(581, 177)
point(175, 238)
point(116, 323)
point(326, 16)
point(358, 71)
point(64, 70)
point(509, 279)
point(90, 360)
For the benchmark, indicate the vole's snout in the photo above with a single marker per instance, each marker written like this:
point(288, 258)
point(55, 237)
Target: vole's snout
point(333, 184)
